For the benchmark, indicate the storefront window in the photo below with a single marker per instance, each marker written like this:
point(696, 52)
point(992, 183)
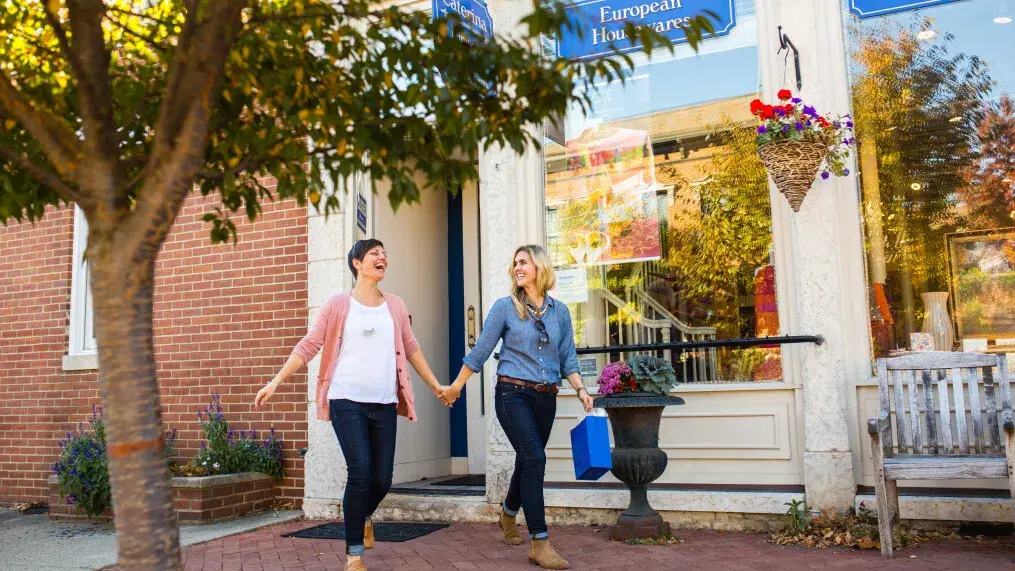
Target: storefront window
point(658, 216)
point(935, 124)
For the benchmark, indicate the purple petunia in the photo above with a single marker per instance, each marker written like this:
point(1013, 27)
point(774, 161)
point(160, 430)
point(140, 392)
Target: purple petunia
point(785, 128)
point(762, 129)
point(808, 110)
point(849, 124)
point(824, 175)
point(799, 126)
point(780, 112)
point(796, 100)
point(845, 172)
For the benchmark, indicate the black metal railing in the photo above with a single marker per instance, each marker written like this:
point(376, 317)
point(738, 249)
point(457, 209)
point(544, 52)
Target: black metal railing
point(688, 345)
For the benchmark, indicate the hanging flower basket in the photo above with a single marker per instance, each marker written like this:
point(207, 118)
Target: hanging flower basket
point(793, 166)
point(794, 140)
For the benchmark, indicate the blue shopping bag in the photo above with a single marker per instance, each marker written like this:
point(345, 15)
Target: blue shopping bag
point(590, 448)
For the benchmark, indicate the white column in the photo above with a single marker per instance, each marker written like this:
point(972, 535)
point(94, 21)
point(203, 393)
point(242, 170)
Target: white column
point(324, 465)
point(511, 214)
point(819, 252)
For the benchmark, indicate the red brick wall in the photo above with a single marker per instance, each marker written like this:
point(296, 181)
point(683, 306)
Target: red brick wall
point(226, 318)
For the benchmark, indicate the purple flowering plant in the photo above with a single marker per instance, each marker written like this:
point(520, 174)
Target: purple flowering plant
point(644, 373)
point(793, 120)
point(82, 469)
point(615, 378)
point(227, 451)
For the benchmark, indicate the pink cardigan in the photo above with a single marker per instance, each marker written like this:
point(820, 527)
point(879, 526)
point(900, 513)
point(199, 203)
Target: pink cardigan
point(327, 333)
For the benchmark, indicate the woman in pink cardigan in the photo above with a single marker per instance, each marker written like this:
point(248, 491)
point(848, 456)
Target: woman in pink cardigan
point(363, 385)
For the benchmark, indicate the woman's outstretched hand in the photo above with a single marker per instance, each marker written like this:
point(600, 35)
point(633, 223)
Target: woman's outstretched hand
point(450, 394)
point(264, 395)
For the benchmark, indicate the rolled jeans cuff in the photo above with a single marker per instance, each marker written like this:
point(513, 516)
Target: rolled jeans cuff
point(355, 550)
point(507, 511)
point(540, 535)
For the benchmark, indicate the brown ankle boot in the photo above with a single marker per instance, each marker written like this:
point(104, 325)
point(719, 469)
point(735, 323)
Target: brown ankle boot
point(368, 535)
point(540, 553)
point(355, 565)
point(510, 527)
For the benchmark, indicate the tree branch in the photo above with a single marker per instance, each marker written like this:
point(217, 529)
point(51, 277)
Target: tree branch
point(89, 61)
point(40, 174)
point(58, 141)
point(181, 136)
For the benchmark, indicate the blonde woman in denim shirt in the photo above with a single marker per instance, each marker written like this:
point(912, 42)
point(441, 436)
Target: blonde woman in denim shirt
point(538, 350)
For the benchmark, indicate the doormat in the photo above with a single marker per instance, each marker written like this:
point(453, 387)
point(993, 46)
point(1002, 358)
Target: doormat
point(390, 532)
point(470, 480)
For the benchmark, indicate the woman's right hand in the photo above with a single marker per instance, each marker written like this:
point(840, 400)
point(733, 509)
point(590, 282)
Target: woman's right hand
point(264, 395)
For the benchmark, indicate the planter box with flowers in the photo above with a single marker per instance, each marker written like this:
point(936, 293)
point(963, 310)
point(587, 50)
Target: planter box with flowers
point(793, 140)
point(635, 394)
point(232, 475)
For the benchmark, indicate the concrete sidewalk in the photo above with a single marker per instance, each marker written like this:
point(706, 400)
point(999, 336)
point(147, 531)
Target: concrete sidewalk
point(479, 547)
point(32, 542)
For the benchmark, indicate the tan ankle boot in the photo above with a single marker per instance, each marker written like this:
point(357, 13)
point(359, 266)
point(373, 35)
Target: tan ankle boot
point(368, 535)
point(510, 527)
point(355, 565)
point(543, 555)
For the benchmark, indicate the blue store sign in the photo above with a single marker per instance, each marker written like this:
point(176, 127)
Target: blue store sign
point(602, 23)
point(474, 14)
point(875, 8)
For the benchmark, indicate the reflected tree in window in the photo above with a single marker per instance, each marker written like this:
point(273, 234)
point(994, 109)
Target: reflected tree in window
point(917, 107)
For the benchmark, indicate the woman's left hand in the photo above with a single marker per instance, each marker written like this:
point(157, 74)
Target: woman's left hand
point(586, 400)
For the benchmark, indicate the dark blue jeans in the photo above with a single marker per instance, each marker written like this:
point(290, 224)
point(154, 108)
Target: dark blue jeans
point(527, 418)
point(366, 432)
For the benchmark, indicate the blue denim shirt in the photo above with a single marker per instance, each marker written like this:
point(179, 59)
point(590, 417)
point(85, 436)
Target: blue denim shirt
point(523, 356)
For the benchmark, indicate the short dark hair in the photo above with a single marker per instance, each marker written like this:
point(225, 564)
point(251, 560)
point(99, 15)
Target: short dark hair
point(359, 251)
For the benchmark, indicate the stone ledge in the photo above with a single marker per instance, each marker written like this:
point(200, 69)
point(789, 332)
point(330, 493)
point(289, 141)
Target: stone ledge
point(219, 480)
point(86, 362)
point(947, 508)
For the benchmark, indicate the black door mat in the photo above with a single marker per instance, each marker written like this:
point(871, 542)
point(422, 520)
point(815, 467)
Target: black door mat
point(470, 480)
point(390, 532)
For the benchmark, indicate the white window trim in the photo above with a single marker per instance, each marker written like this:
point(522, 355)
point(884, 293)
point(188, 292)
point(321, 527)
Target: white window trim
point(82, 351)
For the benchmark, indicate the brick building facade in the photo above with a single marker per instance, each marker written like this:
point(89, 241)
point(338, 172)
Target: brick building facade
point(226, 318)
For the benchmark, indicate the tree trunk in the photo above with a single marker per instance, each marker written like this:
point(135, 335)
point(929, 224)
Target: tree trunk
point(123, 287)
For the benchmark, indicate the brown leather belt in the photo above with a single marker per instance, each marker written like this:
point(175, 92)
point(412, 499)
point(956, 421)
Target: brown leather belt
point(538, 387)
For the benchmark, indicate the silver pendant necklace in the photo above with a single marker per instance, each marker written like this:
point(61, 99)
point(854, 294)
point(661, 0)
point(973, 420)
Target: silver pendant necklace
point(369, 331)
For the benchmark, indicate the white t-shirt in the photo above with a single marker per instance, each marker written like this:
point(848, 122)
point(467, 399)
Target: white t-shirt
point(366, 369)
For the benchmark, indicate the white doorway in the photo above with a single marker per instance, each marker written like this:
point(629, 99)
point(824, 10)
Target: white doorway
point(416, 239)
point(477, 409)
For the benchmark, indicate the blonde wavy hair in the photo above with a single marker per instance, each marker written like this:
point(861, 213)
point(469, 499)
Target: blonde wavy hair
point(546, 276)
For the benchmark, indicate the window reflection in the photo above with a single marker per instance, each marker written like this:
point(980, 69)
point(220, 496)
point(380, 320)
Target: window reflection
point(658, 216)
point(935, 125)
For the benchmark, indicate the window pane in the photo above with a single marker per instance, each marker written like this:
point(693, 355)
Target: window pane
point(657, 212)
point(935, 123)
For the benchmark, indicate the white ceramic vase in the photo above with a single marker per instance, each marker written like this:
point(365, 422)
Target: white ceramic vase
point(936, 320)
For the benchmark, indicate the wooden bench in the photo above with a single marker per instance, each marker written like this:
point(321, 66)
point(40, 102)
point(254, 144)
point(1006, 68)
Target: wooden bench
point(933, 442)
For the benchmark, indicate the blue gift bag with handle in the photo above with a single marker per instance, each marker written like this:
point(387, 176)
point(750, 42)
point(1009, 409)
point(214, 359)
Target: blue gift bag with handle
point(590, 447)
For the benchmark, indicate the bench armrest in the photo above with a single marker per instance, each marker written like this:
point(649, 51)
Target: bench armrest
point(877, 426)
point(1007, 421)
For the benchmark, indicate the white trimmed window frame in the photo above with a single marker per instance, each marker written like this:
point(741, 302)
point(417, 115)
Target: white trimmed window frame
point(82, 351)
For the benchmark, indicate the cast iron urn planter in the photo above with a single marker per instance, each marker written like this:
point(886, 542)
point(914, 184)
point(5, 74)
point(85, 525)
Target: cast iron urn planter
point(637, 459)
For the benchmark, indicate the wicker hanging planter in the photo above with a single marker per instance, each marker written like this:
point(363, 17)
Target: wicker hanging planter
point(793, 166)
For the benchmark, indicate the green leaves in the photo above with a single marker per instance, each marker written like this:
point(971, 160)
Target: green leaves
point(653, 374)
point(310, 87)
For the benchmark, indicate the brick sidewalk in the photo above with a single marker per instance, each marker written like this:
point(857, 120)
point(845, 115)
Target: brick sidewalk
point(478, 547)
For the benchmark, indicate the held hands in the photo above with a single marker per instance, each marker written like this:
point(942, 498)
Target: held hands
point(438, 390)
point(450, 394)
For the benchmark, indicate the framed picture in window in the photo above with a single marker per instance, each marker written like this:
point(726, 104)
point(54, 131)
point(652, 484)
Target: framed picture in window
point(982, 282)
